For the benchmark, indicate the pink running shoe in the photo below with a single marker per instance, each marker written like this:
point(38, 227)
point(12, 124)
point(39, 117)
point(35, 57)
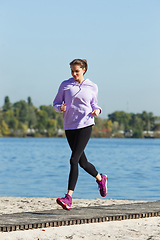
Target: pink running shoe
point(103, 185)
point(65, 202)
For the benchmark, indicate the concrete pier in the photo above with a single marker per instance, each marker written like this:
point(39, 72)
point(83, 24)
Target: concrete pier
point(82, 215)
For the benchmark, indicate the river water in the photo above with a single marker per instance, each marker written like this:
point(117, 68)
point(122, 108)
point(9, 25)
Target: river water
point(39, 167)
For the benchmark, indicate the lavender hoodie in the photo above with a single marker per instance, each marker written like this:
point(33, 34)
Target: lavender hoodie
point(81, 100)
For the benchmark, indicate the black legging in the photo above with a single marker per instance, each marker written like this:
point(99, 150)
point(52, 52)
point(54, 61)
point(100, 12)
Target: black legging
point(78, 139)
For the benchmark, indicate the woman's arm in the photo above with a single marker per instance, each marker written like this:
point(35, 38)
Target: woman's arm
point(59, 99)
point(96, 110)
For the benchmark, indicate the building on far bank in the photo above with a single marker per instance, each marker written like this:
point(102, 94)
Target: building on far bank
point(128, 133)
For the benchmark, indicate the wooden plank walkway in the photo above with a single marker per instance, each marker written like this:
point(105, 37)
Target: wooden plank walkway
point(82, 215)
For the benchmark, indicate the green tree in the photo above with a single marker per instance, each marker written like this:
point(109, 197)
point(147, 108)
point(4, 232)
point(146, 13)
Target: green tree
point(10, 119)
point(4, 129)
point(136, 122)
point(7, 105)
point(145, 118)
point(30, 101)
point(137, 133)
point(115, 126)
point(121, 117)
point(22, 129)
point(49, 111)
point(42, 120)
point(21, 111)
point(32, 119)
point(51, 127)
point(59, 121)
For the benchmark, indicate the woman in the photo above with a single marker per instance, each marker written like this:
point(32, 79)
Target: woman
point(77, 99)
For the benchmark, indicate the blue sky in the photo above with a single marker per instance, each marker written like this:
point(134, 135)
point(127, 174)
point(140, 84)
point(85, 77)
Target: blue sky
point(119, 39)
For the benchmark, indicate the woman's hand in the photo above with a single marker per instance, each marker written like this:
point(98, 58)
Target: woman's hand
point(96, 112)
point(63, 107)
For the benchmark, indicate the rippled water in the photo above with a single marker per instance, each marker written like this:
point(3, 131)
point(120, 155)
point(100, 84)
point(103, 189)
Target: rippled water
point(39, 167)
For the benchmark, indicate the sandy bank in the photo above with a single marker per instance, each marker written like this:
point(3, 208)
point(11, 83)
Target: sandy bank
point(148, 228)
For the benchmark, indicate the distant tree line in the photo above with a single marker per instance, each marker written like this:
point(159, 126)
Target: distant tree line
point(140, 125)
point(24, 119)
point(16, 119)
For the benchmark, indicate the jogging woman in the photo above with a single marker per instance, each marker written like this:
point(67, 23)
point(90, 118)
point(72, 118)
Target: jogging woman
point(77, 99)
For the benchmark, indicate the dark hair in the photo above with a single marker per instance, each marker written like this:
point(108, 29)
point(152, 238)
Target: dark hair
point(81, 62)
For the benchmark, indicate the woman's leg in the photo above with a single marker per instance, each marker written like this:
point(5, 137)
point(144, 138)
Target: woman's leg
point(87, 166)
point(78, 140)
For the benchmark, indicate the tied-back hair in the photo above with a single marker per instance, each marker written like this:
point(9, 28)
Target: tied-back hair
point(81, 62)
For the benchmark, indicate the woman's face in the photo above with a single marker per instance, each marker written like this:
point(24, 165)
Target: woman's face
point(77, 73)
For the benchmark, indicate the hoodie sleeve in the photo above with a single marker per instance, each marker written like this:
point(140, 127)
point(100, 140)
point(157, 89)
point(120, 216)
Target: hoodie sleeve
point(59, 99)
point(94, 102)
